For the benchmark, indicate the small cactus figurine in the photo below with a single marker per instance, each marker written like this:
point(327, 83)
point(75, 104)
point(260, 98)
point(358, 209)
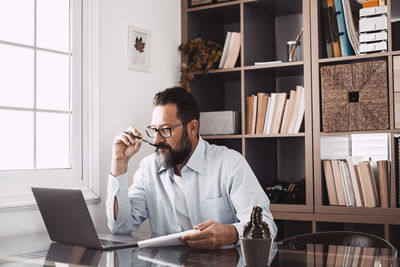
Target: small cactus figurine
point(256, 227)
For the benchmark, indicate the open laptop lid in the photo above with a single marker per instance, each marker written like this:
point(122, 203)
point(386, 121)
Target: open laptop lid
point(66, 216)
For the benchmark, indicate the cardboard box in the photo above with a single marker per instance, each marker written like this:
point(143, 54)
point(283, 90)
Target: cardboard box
point(219, 122)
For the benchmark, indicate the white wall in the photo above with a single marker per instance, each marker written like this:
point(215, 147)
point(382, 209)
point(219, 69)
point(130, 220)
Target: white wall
point(125, 95)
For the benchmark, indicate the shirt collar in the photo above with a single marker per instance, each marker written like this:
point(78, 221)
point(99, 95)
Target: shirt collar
point(196, 160)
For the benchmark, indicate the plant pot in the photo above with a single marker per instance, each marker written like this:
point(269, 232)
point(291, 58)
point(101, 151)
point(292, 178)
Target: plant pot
point(256, 252)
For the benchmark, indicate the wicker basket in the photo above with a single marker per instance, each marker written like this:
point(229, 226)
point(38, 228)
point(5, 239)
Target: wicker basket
point(354, 96)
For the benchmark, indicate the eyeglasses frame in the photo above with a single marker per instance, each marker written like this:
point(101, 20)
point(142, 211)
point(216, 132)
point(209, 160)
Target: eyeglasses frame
point(164, 128)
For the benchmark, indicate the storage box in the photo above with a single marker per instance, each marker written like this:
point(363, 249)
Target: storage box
point(373, 11)
point(373, 47)
point(373, 37)
point(219, 122)
point(373, 24)
point(354, 96)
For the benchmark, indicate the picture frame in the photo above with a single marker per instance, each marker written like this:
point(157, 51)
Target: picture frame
point(139, 43)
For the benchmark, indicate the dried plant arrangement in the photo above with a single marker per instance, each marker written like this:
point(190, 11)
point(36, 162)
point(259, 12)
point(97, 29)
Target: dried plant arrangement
point(197, 56)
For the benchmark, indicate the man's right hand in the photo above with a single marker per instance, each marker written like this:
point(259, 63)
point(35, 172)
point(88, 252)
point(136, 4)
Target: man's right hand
point(124, 147)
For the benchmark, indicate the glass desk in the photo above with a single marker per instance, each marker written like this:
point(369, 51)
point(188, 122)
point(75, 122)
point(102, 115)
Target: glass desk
point(38, 250)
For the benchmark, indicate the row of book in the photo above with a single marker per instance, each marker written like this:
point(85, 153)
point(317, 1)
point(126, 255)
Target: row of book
point(231, 50)
point(353, 256)
point(275, 113)
point(354, 182)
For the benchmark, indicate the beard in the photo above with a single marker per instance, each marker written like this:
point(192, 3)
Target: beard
point(170, 157)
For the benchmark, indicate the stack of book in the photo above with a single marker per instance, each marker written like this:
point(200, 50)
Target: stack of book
point(354, 182)
point(231, 50)
point(275, 113)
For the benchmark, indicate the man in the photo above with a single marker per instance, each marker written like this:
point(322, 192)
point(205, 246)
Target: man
point(187, 183)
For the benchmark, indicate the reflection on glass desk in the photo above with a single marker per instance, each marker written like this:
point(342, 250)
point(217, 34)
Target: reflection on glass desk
point(37, 250)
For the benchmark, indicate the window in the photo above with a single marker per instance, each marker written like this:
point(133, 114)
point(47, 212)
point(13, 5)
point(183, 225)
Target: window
point(41, 95)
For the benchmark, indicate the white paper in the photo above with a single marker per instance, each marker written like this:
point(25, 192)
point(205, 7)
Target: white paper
point(167, 240)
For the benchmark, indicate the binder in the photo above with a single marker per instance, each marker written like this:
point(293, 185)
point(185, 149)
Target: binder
point(327, 34)
point(334, 29)
point(345, 45)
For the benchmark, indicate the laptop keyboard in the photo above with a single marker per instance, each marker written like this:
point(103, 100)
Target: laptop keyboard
point(104, 242)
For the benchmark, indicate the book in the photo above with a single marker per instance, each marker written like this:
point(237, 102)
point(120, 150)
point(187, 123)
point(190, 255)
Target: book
point(357, 173)
point(345, 186)
point(337, 176)
point(271, 109)
point(254, 114)
point(356, 257)
point(354, 181)
point(383, 183)
point(375, 179)
point(249, 113)
point(340, 256)
point(330, 182)
point(167, 240)
point(262, 101)
point(278, 112)
point(300, 112)
point(285, 116)
point(225, 51)
point(331, 256)
point(333, 29)
point(348, 183)
point(267, 115)
point(233, 51)
point(366, 181)
point(345, 45)
point(295, 109)
point(351, 10)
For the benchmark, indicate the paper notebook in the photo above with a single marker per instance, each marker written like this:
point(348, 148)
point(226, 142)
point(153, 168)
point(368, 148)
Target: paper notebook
point(166, 240)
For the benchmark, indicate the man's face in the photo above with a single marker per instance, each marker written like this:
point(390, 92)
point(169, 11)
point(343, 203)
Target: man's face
point(175, 149)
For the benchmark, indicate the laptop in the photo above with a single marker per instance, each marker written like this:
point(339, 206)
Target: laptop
point(68, 221)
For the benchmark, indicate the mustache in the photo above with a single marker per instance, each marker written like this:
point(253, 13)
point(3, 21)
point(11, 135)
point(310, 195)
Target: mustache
point(163, 145)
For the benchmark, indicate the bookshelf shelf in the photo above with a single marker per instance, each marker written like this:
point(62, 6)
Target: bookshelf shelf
point(225, 136)
point(275, 65)
point(354, 58)
point(355, 132)
point(208, 7)
point(273, 135)
point(213, 71)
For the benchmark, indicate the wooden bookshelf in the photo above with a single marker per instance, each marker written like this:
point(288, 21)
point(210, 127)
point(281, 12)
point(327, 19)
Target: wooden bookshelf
point(265, 26)
point(378, 220)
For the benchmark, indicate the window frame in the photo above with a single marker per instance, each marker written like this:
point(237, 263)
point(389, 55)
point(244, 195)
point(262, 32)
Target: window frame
point(15, 192)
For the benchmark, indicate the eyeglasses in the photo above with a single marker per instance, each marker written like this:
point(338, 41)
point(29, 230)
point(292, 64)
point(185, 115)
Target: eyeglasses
point(164, 132)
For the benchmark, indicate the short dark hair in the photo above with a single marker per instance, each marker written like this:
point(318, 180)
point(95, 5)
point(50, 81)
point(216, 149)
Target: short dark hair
point(187, 107)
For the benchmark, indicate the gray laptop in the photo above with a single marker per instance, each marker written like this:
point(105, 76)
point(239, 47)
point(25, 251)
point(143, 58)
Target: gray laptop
point(68, 221)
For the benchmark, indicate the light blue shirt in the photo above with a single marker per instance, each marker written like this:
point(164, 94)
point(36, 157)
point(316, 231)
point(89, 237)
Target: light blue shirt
point(218, 185)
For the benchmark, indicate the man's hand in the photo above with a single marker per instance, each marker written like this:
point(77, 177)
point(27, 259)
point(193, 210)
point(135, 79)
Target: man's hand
point(212, 235)
point(124, 147)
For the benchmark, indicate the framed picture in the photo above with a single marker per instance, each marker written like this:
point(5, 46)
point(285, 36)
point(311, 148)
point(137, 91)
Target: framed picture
point(138, 48)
